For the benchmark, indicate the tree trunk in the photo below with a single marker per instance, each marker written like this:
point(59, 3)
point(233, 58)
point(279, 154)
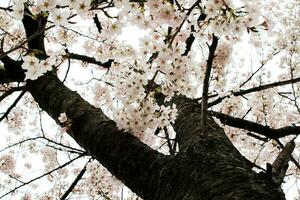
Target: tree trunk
point(208, 166)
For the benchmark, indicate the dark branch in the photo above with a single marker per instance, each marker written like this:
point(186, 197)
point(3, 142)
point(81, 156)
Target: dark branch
point(91, 60)
point(212, 49)
point(292, 158)
point(97, 23)
point(10, 91)
point(72, 186)
point(4, 77)
point(280, 165)
point(131, 161)
point(13, 71)
point(188, 44)
point(32, 26)
point(267, 86)
point(255, 89)
point(12, 105)
point(255, 127)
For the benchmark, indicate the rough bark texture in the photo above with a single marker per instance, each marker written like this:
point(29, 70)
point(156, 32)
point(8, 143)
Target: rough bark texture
point(206, 167)
point(210, 167)
point(130, 160)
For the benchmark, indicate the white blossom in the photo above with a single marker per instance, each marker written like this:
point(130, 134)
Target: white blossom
point(62, 118)
point(18, 10)
point(60, 17)
point(46, 5)
point(35, 68)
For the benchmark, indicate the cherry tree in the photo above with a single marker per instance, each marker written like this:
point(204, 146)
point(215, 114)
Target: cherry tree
point(206, 106)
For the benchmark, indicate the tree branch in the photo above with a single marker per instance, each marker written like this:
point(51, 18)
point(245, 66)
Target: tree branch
point(10, 91)
point(212, 49)
point(255, 127)
point(292, 158)
point(255, 89)
point(13, 105)
point(12, 72)
point(280, 165)
point(4, 77)
point(188, 44)
point(75, 182)
point(91, 60)
point(130, 160)
point(97, 23)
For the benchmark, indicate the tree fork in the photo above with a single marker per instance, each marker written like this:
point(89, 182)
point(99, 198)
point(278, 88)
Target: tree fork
point(206, 167)
point(221, 171)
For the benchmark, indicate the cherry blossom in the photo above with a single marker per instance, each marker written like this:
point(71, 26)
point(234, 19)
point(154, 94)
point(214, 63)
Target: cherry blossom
point(60, 17)
point(18, 9)
point(35, 68)
point(62, 118)
point(46, 5)
point(81, 6)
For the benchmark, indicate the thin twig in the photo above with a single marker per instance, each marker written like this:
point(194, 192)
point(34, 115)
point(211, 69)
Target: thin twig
point(169, 141)
point(25, 41)
point(88, 59)
point(255, 89)
point(275, 52)
point(185, 18)
point(10, 91)
point(12, 105)
point(75, 182)
point(41, 176)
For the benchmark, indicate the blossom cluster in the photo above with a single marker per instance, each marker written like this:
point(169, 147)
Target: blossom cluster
point(236, 20)
point(35, 67)
point(7, 163)
point(58, 15)
point(100, 182)
point(138, 110)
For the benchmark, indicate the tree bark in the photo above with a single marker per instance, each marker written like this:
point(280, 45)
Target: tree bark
point(207, 167)
point(130, 160)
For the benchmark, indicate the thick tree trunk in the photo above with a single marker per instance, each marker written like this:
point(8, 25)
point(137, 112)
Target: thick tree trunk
point(208, 166)
point(130, 160)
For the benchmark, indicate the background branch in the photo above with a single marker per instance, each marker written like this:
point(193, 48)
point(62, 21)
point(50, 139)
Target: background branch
point(212, 49)
point(255, 89)
point(91, 60)
point(255, 127)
